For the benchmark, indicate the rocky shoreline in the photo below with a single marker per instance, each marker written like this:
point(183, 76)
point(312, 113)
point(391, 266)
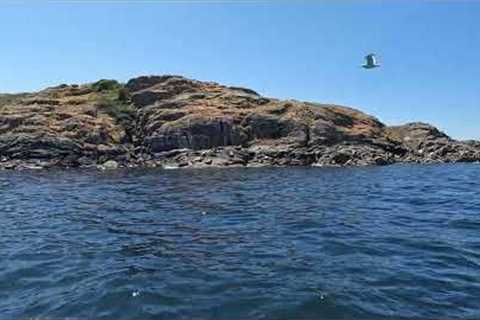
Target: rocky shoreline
point(174, 122)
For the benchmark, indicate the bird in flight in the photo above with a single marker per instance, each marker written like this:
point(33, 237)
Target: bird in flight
point(371, 61)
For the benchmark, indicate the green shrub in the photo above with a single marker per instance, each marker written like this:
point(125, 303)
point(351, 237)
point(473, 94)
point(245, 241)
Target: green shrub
point(123, 95)
point(105, 85)
point(122, 111)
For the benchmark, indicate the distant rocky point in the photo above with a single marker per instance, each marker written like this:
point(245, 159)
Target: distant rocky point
point(170, 121)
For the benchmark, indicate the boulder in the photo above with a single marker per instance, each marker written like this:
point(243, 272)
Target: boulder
point(109, 165)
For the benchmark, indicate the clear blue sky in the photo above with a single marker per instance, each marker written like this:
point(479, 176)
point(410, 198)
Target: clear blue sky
point(430, 50)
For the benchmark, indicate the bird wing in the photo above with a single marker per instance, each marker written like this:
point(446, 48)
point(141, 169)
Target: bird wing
point(370, 59)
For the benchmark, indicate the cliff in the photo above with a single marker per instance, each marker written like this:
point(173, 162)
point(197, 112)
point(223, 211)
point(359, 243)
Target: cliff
point(172, 121)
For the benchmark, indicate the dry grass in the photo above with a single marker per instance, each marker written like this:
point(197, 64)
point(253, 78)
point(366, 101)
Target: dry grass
point(8, 99)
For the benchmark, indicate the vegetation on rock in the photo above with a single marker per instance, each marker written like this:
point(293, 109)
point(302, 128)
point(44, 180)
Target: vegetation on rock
point(9, 98)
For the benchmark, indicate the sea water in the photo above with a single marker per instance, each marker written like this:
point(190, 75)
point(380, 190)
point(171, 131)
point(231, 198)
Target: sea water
point(395, 242)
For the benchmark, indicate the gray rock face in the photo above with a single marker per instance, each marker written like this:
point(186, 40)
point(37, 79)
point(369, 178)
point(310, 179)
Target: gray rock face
point(23, 145)
point(196, 133)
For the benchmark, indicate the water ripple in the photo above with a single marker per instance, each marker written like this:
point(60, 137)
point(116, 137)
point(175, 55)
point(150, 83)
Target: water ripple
point(397, 242)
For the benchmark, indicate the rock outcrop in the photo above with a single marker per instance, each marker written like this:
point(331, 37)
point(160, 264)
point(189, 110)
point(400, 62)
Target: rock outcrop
point(172, 121)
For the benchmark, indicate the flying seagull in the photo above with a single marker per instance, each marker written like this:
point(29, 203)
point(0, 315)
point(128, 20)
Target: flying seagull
point(370, 61)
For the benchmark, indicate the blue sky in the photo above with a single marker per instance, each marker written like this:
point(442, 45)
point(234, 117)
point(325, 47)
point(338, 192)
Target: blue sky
point(307, 50)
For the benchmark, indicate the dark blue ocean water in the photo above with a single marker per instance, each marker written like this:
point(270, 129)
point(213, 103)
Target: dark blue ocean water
point(397, 242)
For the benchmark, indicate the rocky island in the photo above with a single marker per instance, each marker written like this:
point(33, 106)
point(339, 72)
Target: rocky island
point(170, 121)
